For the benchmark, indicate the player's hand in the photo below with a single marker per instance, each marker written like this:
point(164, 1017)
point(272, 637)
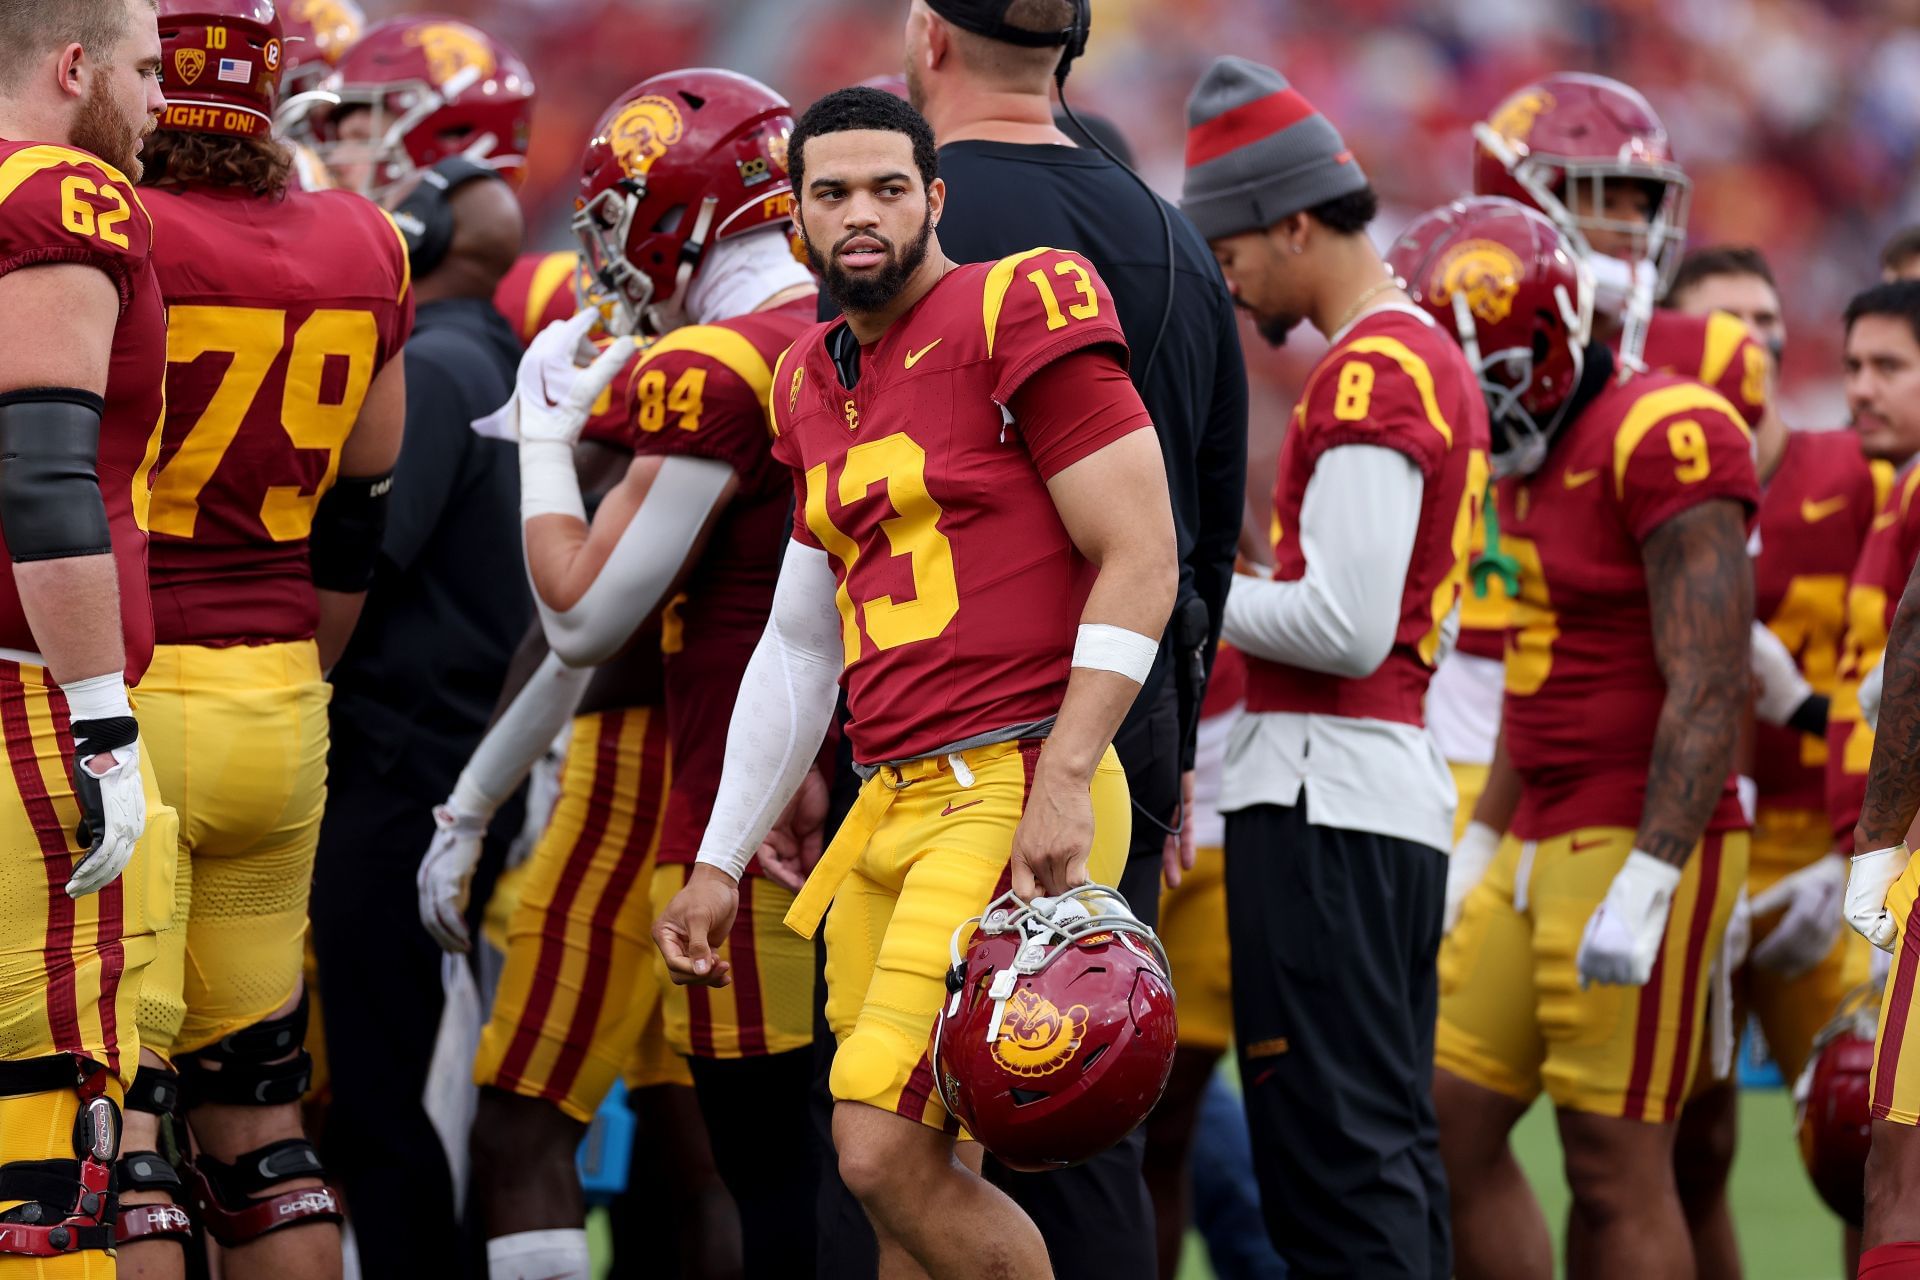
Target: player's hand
point(106, 781)
point(1869, 877)
point(1178, 853)
point(689, 932)
point(1869, 696)
point(1623, 936)
point(1466, 868)
point(446, 875)
point(554, 397)
point(1055, 836)
point(1779, 688)
point(1811, 898)
point(791, 849)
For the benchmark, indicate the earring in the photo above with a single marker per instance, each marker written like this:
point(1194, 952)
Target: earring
point(1299, 248)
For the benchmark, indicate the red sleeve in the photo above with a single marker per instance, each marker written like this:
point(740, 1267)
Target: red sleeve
point(684, 403)
point(1678, 447)
point(801, 533)
point(1075, 407)
point(1039, 306)
point(1378, 392)
point(72, 208)
point(396, 322)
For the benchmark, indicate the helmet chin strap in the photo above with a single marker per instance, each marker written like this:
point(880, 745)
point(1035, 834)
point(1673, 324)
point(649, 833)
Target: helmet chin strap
point(665, 317)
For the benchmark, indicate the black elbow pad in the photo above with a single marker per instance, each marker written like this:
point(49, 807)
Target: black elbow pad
point(50, 503)
point(347, 529)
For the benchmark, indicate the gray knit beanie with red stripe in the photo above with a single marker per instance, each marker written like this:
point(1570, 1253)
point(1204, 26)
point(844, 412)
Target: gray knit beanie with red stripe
point(1258, 152)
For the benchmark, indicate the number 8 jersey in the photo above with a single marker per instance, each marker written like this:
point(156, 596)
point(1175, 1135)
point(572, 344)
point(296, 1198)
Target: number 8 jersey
point(279, 315)
point(926, 482)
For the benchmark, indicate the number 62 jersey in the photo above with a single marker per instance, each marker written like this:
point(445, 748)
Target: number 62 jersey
point(960, 592)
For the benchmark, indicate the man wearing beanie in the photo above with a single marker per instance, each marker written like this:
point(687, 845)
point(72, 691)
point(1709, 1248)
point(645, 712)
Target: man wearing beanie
point(1339, 805)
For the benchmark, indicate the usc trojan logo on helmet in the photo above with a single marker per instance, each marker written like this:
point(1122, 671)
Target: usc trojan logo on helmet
point(1486, 271)
point(1513, 119)
point(189, 63)
point(1035, 1037)
point(451, 49)
point(777, 149)
point(642, 132)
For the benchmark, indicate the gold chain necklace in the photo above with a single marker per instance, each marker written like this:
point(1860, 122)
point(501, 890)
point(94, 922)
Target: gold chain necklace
point(1363, 300)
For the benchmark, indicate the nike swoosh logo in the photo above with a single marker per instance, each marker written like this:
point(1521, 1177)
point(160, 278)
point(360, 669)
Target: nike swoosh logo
point(1814, 512)
point(953, 808)
point(913, 357)
point(1574, 479)
point(1581, 846)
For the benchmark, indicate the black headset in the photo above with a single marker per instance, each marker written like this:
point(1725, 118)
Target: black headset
point(425, 217)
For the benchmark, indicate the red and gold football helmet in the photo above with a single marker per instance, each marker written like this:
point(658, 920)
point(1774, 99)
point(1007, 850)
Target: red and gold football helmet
point(1833, 1104)
point(221, 62)
point(318, 35)
point(433, 87)
point(1059, 1028)
point(1515, 292)
point(677, 163)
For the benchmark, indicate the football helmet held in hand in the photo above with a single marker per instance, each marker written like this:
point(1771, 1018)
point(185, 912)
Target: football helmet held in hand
point(1832, 1104)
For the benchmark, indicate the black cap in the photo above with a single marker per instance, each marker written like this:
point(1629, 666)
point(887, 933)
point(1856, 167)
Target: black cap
point(988, 18)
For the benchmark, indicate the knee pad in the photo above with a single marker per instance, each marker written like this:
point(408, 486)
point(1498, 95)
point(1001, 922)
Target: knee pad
point(241, 1070)
point(68, 1205)
point(155, 1091)
point(225, 1194)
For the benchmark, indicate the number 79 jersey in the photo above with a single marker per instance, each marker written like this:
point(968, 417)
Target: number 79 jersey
point(1584, 687)
point(280, 313)
point(960, 592)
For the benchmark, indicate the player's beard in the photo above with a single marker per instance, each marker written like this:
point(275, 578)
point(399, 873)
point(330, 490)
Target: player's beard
point(1273, 327)
point(101, 129)
point(866, 294)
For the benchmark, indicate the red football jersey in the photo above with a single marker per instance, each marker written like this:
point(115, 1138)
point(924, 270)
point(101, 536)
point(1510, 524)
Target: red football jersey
point(1716, 349)
point(279, 315)
point(1813, 518)
point(960, 592)
point(1873, 593)
point(1397, 382)
point(538, 290)
point(59, 205)
point(1584, 690)
point(702, 392)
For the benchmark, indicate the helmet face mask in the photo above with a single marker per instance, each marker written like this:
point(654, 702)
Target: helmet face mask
point(603, 225)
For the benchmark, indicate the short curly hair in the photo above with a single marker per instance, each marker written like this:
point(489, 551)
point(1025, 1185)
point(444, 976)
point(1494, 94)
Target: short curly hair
point(846, 110)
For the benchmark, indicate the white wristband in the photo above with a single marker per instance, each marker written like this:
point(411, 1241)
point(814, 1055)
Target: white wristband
point(549, 486)
point(98, 698)
point(469, 800)
point(1101, 647)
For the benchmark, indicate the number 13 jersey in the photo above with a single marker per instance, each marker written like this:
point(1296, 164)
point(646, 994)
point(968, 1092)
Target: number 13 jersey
point(960, 592)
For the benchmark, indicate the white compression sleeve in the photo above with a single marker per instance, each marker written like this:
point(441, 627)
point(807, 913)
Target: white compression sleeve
point(518, 738)
point(643, 564)
point(1358, 521)
point(785, 704)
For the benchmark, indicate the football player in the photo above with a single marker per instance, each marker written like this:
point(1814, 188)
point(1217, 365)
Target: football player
point(285, 403)
point(703, 504)
point(974, 477)
point(1579, 964)
point(1819, 494)
point(1883, 387)
point(541, 288)
point(87, 876)
point(318, 34)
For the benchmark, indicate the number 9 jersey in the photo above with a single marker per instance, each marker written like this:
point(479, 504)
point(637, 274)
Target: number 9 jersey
point(926, 483)
point(270, 354)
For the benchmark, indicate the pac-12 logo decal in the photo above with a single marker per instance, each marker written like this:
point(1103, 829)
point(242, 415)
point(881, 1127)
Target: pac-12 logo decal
point(1486, 271)
point(189, 63)
point(271, 55)
point(1513, 119)
point(452, 47)
point(1036, 1038)
point(643, 131)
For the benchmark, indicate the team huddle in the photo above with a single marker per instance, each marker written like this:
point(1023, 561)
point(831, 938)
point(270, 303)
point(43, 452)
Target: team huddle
point(1531, 751)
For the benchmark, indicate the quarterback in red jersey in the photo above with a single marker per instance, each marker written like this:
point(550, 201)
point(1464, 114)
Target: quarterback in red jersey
point(975, 479)
point(285, 401)
point(87, 873)
point(1579, 964)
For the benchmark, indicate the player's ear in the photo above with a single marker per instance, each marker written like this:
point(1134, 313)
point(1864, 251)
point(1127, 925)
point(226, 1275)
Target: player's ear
point(936, 199)
point(71, 69)
point(939, 41)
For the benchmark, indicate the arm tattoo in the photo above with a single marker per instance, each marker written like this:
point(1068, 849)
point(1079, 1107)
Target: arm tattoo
point(1700, 590)
point(1893, 780)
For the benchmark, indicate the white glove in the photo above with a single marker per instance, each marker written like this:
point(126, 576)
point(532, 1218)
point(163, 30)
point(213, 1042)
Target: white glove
point(1722, 1040)
point(1782, 687)
point(1868, 880)
point(446, 874)
point(106, 780)
point(1623, 937)
point(1465, 869)
point(1806, 933)
point(1870, 696)
point(554, 397)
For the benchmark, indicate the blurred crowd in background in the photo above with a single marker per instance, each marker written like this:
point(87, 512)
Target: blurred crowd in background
point(1797, 119)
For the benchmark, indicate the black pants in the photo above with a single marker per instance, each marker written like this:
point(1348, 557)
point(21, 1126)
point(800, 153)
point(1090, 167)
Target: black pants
point(380, 1000)
point(1335, 994)
point(763, 1146)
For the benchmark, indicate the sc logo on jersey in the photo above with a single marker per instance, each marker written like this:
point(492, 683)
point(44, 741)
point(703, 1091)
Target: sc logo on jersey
point(1036, 1038)
point(1486, 272)
point(642, 133)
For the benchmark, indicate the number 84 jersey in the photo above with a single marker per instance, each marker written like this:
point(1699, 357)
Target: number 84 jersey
point(1584, 688)
point(960, 592)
